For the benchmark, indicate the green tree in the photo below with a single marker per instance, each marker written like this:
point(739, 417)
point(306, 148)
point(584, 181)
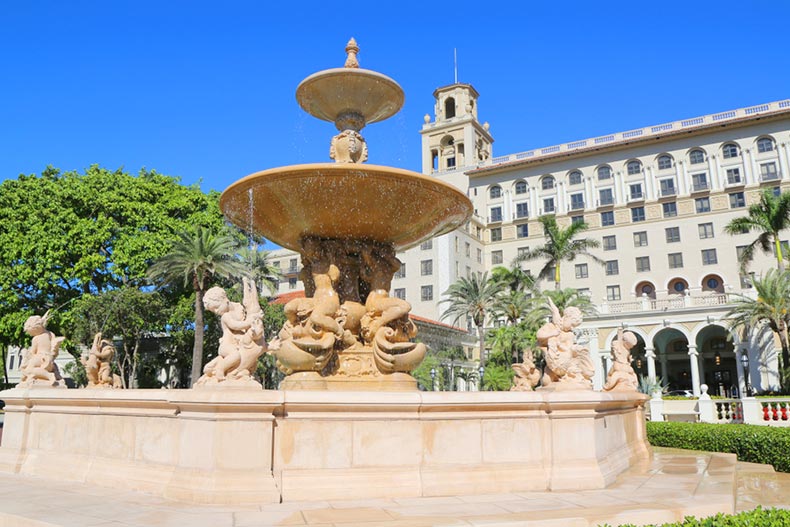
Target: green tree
point(261, 269)
point(195, 259)
point(562, 244)
point(772, 307)
point(513, 306)
point(66, 234)
point(511, 340)
point(516, 278)
point(472, 298)
point(768, 217)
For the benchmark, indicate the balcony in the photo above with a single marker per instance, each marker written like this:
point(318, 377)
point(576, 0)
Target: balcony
point(672, 303)
point(636, 196)
point(770, 176)
point(495, 218)
point(606, 202)
point(670, 191)
point(700, 186)
point(577, 206)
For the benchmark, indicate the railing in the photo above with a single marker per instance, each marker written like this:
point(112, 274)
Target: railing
point(775, 412)
point(728, 411)
point(749, 410)
point(665, 304)
point(771, 176)
point(685, 124)
point(668, 192)
point(699, 187)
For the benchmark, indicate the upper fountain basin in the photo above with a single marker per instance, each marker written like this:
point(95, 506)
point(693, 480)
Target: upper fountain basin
point(344, 201)
point(332, 93)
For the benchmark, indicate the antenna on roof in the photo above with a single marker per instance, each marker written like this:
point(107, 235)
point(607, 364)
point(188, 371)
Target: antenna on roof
point(455, 64)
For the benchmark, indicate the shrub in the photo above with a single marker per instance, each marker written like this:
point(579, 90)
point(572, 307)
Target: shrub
point(761, 517)
point(752, 443)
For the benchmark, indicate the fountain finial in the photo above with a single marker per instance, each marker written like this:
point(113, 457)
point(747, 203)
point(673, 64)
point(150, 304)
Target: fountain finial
point(352, 49)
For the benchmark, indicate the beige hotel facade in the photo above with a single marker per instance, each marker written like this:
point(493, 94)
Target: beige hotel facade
point(656, 198)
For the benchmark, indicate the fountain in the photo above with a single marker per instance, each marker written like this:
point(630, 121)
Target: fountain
point(348, 421)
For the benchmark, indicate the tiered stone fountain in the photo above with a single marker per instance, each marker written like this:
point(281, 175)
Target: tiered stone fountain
point(348, 421)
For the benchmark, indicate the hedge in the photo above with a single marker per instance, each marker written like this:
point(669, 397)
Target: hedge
point(761, 517)
point(752, 443)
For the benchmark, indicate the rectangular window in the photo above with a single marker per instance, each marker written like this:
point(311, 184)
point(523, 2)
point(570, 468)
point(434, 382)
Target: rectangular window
point(737, 200)
point(551, 272)
point(612, 267)
point(426, 293)
point(605, 196)
point(705, 230)
point(468, 272)
point(636, 191)
point(581, 271)
point(495, 214)
point(521, 252)
point(612, 292)
point(609, 243)
point(640, 239)
point(584, 291)
point(468, 249)
point(426, 267)
point(496, 234)
point(670, 209)
point(642, 264)
point(496, 257)
point(479, 255)
point(637, 214)
point(522, 231)
point(733, 176)
point(401, 272)
point(548, 205)
point(577, 201)
point(768, 172)
point(292, 265)
point(699, 181)
point(522, 211)
point(702, 205)
point(292, 283)
point(667, 187)
point(400, 293)
point(607, 218)
point(675, 260)
point(673, 234)
point(740, 250)
point(426, 245)
point(456, 243)
point(577, 219)
point(709, 257)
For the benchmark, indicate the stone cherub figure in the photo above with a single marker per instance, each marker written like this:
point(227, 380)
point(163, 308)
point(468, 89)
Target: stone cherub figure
point(242, 341)
point(38, 364)
point(527, 374)
point(568, 365)
point(97, 362)
point(386, 324)
point(621, 375)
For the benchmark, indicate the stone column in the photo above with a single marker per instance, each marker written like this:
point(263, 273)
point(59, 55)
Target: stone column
point(694, 362)
point(650, 354)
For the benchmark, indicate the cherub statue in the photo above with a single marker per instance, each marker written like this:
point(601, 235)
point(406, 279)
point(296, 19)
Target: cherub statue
point(242, 341)
point(38, 364)
point(386, 324)
point(527, 374)
point(621, 375)
point(97, 364)
point(567, 363)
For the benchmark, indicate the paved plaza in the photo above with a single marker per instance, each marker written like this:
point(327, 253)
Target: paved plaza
point(675, 484)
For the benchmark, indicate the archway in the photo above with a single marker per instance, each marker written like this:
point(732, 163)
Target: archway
point(672, 359)
point(718, 366)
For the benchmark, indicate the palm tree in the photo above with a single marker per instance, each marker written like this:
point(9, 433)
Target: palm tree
point(196, 257)
point(260, 268)
point(769, 217)
point(771, 307)
point(516, 278)
point(511, 305)
point(472, 298)
point(560, 246)
point(562, 298)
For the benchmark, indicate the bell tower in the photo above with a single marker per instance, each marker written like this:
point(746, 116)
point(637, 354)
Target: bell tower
point(455, 139)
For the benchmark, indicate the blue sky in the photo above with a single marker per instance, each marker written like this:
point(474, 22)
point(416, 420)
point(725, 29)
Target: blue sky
point(205, 90)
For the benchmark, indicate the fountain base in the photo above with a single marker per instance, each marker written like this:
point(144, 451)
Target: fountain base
point(237, 446)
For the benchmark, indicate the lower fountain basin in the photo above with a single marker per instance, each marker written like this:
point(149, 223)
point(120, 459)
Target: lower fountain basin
point(344, 200)
point(255, 446)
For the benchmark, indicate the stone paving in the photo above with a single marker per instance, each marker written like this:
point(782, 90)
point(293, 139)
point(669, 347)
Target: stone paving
point(675, 484)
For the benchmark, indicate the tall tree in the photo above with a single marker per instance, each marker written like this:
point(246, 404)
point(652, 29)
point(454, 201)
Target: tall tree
point(261, 269)
point(516, 278)
point(772, 307)
point(195, 259)
point(562, 244)
point(472, 298)
point(513, 306)
point(768, 217)
point(66, 234)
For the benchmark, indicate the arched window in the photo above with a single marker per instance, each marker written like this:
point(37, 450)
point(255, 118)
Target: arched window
point(604, 172)
point(449, 108)
point(521, 187)
point(495, 192)
point(547, 182)
point(765, 144)
point(696, 157)
point(713, 283)
point(647, 289)
point(575, 178)
point(678, 286)
point(730, 150)
point(634, 167)
point(664, 162)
